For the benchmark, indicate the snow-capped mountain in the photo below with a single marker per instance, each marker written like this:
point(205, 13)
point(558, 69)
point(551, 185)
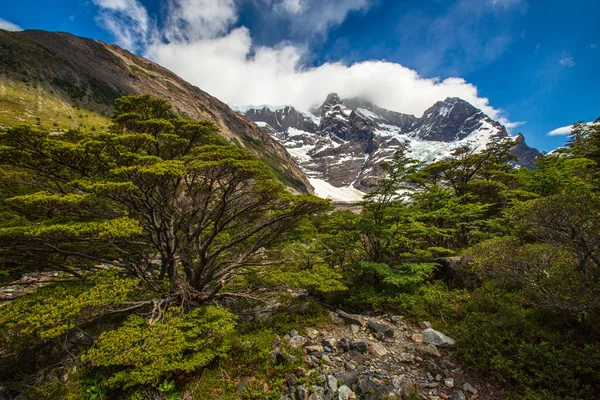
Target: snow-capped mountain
point(340, 144)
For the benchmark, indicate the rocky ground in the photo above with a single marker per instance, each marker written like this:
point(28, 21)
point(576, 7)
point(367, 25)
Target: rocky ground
point(360, 357)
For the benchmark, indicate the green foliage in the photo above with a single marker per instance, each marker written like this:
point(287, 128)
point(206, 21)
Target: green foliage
point(54, 310)
point(140, 353)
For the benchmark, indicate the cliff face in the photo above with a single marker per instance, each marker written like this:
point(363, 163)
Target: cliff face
point(91, 74)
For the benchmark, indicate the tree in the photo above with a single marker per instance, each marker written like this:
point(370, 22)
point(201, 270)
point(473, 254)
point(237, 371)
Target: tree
point(461, 198)
point(158, 196)
point(554, 252)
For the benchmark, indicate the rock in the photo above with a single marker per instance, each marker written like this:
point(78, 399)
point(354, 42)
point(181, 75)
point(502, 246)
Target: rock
point(469, 388)
point(417, 338)
point(355, 328)
point(359, 346)
point(387, 330)
point(349, 366)
point(345, 393)
point(437, 338)
point(397, 318)
point(428, 350)
point(382, 392)
point(297, 341)
point(300, 372)
point(449, 383)
point(366, 385)
point(332, 383)
point(302, 393)
point(345, 343)
point(349, 379)
point(330, 341)
point(318, 393)
point(378, 349)
point(406, 357)
point(326, 359)
point(353, 318)
point(425, 325)
point(312, 333)
point(444, 396)
point(314, 349)
point(336, 319)
point(458, 395)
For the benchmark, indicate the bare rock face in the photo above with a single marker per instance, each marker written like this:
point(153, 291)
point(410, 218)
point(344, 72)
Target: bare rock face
point(94, 73)
point(343, 141)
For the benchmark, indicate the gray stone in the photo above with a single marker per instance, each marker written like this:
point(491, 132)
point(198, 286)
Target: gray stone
point(366, 385)
point(437, 338)
point(387, 330)
point(314, 348)
point(425, 325)
point(458, 395)
point(329, 341)
point(350, 366)
point(428, 350)
point(355, 328)
point(449, 383)
point(397, 318)
point(302, 392)
point(349, 379)
point(378, 349)
point(352, 318)
point(359, 346)
point(345, 393)
point(336, 319)
point(469, 388)
point(332, 383)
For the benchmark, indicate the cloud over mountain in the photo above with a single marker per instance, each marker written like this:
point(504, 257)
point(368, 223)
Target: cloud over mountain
point(202, 41)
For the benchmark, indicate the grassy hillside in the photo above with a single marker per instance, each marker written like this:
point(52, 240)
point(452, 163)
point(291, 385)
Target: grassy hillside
point(36, 103)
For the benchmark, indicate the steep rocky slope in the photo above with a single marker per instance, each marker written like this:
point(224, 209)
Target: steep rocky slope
point(74, 73)
point(341, 143)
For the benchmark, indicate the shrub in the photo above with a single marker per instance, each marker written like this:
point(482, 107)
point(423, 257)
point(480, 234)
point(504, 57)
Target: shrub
point(142, 353)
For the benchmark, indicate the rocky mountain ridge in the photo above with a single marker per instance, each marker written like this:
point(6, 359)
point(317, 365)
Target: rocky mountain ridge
point(341, 143)
point(89, 74)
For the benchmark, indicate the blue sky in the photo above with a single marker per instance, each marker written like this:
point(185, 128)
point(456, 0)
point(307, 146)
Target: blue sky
point(522, 61)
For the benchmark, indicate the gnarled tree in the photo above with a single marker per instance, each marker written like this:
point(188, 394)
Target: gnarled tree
point(157, 195)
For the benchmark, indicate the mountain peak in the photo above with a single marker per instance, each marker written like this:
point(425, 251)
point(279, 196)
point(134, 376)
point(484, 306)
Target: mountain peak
point(332, 99)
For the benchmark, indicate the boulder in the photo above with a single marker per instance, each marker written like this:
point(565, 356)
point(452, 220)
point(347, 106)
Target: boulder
point(378, 349)
point(469, 388)
point(458, 395)
point(387, 330)
point(345, 393)
point(349, 379)
point(437, 338)
point(366, 385)
point(428, 350)
point(332, 383)
point(359, 346)
point(352, 318)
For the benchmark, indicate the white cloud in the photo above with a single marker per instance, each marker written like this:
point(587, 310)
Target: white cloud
point(190, 20)
point(127, 21)
point(226, 63)
point(565, 130)
point(9, 26)
point(293, 6)
point(568, 62)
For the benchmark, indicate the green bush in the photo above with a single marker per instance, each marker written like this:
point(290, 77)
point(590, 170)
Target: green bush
point(531, 353)
point(142, 353)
